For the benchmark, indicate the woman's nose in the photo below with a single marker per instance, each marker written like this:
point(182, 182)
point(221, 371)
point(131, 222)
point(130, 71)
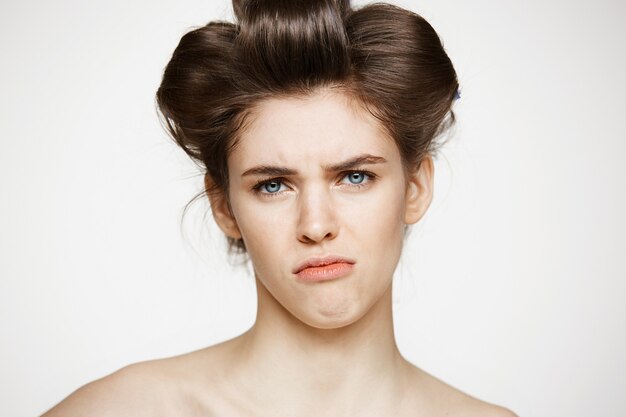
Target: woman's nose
point(317, 217)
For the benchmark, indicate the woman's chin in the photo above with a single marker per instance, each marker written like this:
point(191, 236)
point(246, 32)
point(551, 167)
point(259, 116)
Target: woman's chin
point(329, 324)
point(329, 317)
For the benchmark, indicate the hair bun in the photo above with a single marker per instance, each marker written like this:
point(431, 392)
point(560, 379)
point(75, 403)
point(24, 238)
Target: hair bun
point(239, 6)
point(390, 60)
point(287, 40)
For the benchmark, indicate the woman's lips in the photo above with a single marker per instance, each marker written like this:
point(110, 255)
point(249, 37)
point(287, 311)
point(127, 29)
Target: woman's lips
point(324, 268)
point(325, 272)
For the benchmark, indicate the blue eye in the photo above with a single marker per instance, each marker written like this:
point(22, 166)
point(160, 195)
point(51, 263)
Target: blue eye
point(271, 187)
point(356, 177)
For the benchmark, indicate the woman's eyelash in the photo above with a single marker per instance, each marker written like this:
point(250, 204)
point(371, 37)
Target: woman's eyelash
point(369, 177)
point(356, 179)
point(257, 187)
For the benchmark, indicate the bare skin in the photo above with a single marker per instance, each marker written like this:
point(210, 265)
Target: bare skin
point(319, 349)
point(224, 380)
point(214, 382)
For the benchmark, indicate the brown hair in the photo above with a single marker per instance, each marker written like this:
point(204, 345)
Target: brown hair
point(388, 58)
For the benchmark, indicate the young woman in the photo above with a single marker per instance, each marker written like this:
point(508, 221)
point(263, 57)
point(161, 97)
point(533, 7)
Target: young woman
point(316, 124)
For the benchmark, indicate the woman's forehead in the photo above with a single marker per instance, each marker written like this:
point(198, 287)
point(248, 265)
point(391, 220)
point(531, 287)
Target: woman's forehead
point(325, 127)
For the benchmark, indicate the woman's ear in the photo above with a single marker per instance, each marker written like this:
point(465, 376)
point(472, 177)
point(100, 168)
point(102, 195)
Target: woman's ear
point(419, 192)
point(221, 209)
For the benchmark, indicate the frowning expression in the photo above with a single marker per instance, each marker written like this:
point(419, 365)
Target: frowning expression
point(320, 197)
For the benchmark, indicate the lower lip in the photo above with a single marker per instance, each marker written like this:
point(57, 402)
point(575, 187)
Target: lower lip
point(326, 272)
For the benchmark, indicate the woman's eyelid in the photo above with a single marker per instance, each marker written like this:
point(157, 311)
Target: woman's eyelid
point(258, 187)
point(369, 176)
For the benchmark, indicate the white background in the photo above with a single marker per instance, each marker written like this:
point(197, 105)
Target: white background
point(511, 288)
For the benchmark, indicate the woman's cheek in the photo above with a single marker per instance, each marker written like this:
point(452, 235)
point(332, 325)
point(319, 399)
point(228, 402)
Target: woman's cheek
point(383, 211)
point(262, 227)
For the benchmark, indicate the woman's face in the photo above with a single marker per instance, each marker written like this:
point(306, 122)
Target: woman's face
point(313, 179)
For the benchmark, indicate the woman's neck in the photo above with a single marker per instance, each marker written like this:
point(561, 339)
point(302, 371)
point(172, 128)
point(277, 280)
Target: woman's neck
point(283, 359)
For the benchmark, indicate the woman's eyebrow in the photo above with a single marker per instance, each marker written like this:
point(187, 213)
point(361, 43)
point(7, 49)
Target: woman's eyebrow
point(269, 170)
point(352, 163)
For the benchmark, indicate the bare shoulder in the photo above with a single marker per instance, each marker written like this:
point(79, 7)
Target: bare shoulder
point(142, 389)
point(445, 400)
point(465, 405)
point(483, 409)
point(178, 385)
